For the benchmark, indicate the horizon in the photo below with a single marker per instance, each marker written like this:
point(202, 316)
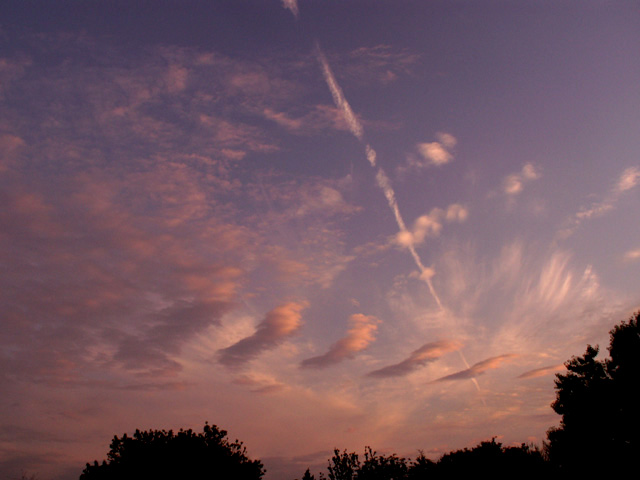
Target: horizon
point(315, 225)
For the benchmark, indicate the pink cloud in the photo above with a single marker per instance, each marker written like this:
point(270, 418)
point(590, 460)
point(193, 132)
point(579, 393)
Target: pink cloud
point(418, 358)
point(478, 368)
point(278, 324)
point(541, 372)
point(360, 335)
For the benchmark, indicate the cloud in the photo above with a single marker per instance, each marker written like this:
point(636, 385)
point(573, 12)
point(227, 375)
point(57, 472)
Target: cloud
point(431, 153)
point(11, 70)
point(323, 199)
point(514, 183)
point(446, 139)
point(371, 155)
point(127, 272)
point(280, 323)
point(456, 213)
point(632, 255)
point(260, 383)
point(541, 372)
point(478, 368)
point(418, 358)
point(282, 119)
point(430, 225)
point(176, 78)
point(316, 119)
point(629, 179)
point(380, 63)
point(434, 153)
point(10, 145)
point(360, 335)
point(228, 134)
point(291, 5)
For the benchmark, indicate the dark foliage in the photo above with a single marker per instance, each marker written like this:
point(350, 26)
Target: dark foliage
point(160, 454)
point(487, 457)
point(308, 476)
point(492, 458)
point(379, 467)
point(599, 403)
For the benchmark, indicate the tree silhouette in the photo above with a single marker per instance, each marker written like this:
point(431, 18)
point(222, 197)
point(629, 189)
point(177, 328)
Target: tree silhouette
point(487, 457)
point(492, 458)
point(308, 476)
point(380, 467)
point(599, 403)
point(343, 466)
point(158, 454)
point(421, 468)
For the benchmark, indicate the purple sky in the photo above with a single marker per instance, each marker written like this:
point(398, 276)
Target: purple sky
point(314, 223)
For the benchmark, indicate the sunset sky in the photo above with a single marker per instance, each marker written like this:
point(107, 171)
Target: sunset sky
point(313, 223)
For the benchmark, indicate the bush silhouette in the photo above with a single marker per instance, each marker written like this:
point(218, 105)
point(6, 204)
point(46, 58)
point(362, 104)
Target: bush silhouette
point(160, 454)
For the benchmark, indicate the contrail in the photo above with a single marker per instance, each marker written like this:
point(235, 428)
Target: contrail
point(338, 97)
point(475, 382)
point(381, 178)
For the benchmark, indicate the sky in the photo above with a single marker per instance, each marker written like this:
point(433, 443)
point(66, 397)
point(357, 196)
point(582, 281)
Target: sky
point(317, 224)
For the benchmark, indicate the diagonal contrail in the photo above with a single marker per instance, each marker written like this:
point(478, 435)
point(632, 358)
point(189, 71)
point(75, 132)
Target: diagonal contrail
point(355, 127)
point(339, 99)
point(381, 178)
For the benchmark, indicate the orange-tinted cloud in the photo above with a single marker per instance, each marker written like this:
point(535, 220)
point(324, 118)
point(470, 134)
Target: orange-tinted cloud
point(280, 323)
point(358, 338)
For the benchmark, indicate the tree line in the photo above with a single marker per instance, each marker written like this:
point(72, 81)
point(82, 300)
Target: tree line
point(599, 434)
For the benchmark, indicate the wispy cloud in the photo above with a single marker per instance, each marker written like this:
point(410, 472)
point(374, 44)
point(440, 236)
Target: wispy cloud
point(282, 119)
point(541, 372)
point(628, 180)
point(632, 255)
point(128, 279)
point(10, 145)
point(323, 199)
point(418, 358)
point(260, 383)
point(478, 369)
point(360, 335)
point(280, 323)
point(380, 63)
